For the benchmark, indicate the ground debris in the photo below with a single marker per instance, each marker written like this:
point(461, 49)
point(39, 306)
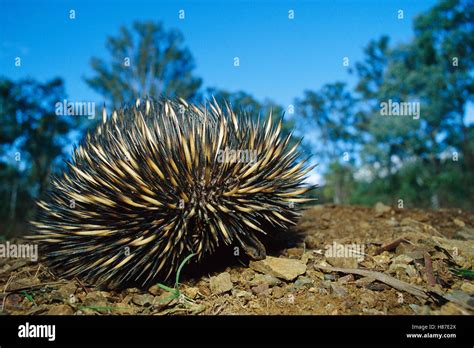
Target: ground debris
point(411, 262)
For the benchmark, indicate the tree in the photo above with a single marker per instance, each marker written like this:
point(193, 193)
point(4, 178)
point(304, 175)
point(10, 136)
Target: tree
point(32, 139)
point(434, 70)
point(330, 113)
point(145, 61)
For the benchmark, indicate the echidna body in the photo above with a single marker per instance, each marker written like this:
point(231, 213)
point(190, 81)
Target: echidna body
point(158, 181)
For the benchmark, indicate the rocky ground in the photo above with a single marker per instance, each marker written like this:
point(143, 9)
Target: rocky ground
point(350, 260)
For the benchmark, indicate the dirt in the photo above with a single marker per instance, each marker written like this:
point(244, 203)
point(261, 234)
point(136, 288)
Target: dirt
point(421, 262)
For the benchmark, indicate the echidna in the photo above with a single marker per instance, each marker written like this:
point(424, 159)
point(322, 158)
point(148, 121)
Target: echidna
point(158, 181)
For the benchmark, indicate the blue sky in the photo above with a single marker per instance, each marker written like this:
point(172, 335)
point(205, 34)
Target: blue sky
point(279, 58)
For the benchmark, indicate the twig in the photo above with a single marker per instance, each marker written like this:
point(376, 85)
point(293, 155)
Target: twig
point(81, 284)
point(393, 282)
point(30, 287)
point(390, 246)
point(429, 270)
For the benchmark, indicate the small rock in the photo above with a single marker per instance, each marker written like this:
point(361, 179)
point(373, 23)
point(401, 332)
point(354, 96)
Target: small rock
point(204, 290)
point(278, 292)
point(343, 262)
point(397, 266)
point(306, 257)
point(326, 216)
point(459, 222)
point(60, 310)
point(450, 309)
point(392, 222)
point(311, 242)
point(411, 271)
point(468, 288)
point(346, 279)
point(302, 281)
point(403, 259)
point(376, 286)
point(254, 305)
point(261, 289)
point(132, 291)
point(367, 299)
point(460, 298)
point(466, 233)
point(247, 275)
point(381, 208)
point(191, 292)
point(155, 290)
point(93, 298)
point(163, 300)
point(221, 283)
point(264, 279)
point(124, 309)
point(415, 308)
point(67, 289)
point(243, 294)
point(329, 277)
point(295, 252)
point(143, 300)
point(383, 258)
point(363, 282)
point(338, 290)
point(286, 269)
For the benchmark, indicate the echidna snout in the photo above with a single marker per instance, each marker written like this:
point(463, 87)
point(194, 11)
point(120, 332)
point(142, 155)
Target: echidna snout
point(157, 181)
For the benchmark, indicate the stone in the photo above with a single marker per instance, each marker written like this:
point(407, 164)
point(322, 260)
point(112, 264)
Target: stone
point(459, 222)
point(338, 290)
point(466, 233)
point(143, 300)
point(155, 290)
point(242, 294)
point(468, 288)
point(346, 279)
point(67, 289)
point(94, 298)
point(393, 222)
point(191, 292)
point(221, 283)
point(303, 281)
point(61, 309)
point(261, 289)
point(278, 292)
point(264, 279)
point(343, 262)
point(163, 300)
point(363, 282)
point(287, 269)
point(329, 277)
point(403, 259)
point(311, 242)
point(295, 253)
point(381, 209)
point(247, 275)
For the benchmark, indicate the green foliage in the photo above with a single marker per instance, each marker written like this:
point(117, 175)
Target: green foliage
point(146, 60)
point(426, 162)
point(32, 140)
